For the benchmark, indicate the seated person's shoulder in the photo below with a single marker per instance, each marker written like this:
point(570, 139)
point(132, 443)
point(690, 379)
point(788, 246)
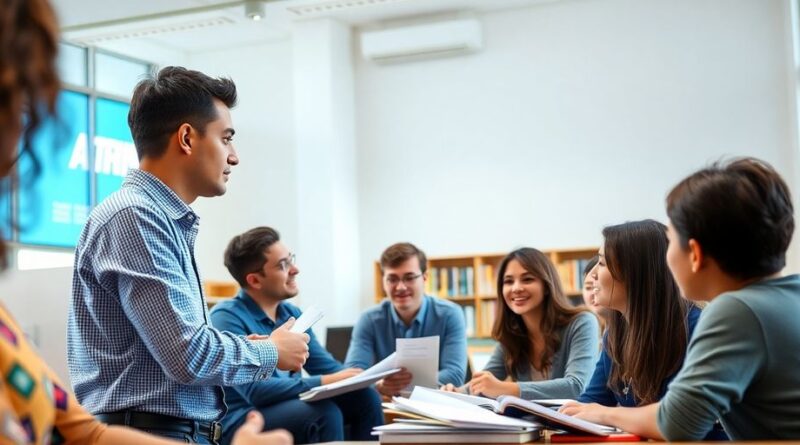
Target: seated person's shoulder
point(583, 320)
point(440, 305)
point(226, 305)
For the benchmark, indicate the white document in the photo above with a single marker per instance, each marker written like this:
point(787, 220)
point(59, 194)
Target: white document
point(307, 319)
point(420, 356)
point(344, 386)
point(457, 413)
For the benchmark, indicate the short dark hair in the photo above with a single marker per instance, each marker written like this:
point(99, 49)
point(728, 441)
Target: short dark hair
point(245, 253)
point(399, 253)
point(741, 214)
point(173, 97)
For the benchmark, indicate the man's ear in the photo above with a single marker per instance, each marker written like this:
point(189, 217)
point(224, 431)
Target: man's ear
point(696, 256)
point(185, 133)
point(252, 281)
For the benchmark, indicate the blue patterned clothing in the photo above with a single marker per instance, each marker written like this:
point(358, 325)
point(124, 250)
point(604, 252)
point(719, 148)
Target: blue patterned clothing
point(138, 333)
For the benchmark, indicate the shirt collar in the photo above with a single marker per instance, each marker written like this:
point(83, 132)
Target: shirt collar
point(423, 309)
point(160, 192)
point(257, 313)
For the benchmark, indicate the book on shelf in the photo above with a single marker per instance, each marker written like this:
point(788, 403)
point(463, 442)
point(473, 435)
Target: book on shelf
point(486, 280)
point(469, 318)
point(488, 311)
point(516, 407)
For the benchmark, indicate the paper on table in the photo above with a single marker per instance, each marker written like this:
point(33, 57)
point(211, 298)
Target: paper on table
point(307, 319)
point(420, 356)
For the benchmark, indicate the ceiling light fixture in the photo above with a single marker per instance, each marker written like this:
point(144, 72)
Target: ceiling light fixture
point(254, 9)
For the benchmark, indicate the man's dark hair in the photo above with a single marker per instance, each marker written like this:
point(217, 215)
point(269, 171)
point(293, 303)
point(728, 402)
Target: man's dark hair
point(245, 253)
point(741, 214)
point(173, 97)
point(398, 253)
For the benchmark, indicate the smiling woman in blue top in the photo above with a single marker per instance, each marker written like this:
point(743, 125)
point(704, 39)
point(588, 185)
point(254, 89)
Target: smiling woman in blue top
point(267, 272)
point(409, 313)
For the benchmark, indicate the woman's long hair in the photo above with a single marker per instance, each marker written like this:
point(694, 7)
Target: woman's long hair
point(647, 344)
point(509, 329)
point(28, 83)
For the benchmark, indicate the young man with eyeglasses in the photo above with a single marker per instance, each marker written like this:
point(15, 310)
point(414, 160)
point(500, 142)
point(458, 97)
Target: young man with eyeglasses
point(409, 313)
point(266, 271)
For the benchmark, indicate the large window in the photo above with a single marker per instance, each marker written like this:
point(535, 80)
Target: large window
point(84, 152)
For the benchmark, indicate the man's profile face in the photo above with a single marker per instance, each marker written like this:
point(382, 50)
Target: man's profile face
point(214, 153)
point(405, 285)
point(276, 279)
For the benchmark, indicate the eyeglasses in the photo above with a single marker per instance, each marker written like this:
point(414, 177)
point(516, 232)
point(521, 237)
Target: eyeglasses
point(287, 262)
point(408, 280)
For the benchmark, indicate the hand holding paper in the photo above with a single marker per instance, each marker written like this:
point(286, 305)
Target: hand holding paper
point(307, 319)
point(292, 347)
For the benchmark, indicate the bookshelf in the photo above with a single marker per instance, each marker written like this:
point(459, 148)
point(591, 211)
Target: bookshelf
point(470, 282)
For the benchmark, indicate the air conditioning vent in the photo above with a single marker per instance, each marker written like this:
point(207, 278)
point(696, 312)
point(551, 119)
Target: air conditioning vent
point(422, 41)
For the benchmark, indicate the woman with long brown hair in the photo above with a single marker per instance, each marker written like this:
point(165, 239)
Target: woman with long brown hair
point(547, 348)
point(649, 323)
point(34, 406)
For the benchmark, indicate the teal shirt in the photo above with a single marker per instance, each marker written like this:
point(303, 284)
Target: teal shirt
point(742, 367)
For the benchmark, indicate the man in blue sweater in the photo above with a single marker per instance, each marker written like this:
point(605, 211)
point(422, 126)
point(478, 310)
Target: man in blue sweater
point(266, 271)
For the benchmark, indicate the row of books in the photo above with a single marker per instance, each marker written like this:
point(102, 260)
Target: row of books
point(571, 274)
point(449, 282)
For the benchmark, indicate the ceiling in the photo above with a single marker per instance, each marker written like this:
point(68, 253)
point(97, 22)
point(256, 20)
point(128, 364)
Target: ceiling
point(86, 21)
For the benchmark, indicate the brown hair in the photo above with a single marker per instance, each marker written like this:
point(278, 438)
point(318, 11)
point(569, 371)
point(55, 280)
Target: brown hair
point(509, 329)
point(647, 345)
point(245, 253)
point(399, 253)
point(740, 212)
point(28, 79)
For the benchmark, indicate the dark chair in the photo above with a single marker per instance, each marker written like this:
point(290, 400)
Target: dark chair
point(337, 341)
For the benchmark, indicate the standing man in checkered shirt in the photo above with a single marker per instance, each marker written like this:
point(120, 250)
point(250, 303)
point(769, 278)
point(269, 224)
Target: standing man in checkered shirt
point(141, 350)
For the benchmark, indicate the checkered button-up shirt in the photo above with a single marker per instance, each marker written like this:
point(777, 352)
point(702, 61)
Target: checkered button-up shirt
point(138, 335)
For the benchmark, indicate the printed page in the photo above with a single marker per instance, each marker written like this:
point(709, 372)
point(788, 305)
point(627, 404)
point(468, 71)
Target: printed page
point(420, 356)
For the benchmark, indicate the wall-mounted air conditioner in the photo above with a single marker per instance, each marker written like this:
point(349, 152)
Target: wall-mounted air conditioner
point(424, 40)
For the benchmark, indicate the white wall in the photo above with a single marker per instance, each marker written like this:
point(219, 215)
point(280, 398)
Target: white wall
point(577, 114)
point(262, 189)
point(38, 301)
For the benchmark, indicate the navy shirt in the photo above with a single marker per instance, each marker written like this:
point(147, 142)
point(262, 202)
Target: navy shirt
point(375, 334)
point(598, 390)
point(243, 316)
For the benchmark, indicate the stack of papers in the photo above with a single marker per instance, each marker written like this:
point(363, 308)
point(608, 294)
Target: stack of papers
point(436, 417)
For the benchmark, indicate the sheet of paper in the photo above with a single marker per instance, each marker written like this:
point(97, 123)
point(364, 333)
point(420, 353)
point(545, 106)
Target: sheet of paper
point(420, 356)
point(307, 319)
point(382, 366)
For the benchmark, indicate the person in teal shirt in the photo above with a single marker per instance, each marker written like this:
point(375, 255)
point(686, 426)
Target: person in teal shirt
point(730, 227)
